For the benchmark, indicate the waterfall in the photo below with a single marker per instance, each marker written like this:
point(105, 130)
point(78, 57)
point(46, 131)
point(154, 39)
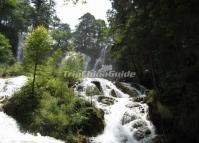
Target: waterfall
point(87, 60)
point(126, 120)
point(21, 38)
point(101, 60)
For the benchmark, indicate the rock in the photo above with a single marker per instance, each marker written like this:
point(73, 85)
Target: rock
point(98, 85)
point(140, 99)
point(80, 88)
point(113, 93)
point(132, 105)
point(141, 129)
point(92, 90)
point(2, 99)
point(106, 100)
point(142, 133)
point(139, 124)
point(93, 124)
point(157, 139)
point(127, 89)
point(137, 106)
point(128, 117)
point(1, 108)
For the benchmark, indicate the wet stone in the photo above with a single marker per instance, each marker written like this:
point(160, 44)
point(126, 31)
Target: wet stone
point(142, 133)
point(128, 117)
point(139, 124)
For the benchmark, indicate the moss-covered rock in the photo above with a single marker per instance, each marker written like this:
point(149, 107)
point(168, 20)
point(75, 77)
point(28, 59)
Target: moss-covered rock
point(130, 91)
point(140, 99)
point(98, 85)
point(106, 100)
point(93, 124)
point(113, 93)
point(92, 90)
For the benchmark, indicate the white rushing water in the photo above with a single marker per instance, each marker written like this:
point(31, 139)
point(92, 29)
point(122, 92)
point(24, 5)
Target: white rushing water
point(87, 60)
point(126, 121)
point(101, 60)
point(9, 130)
point(21, 38)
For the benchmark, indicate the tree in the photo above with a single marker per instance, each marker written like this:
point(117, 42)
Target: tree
point(91, 36)
point(61, 34)
point(43, 12)
point(37, 48)
point(6, 55)
point(15, 17)
point(161, 38)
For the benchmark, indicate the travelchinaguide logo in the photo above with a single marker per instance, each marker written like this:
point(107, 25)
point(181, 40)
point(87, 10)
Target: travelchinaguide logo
point(106, 71)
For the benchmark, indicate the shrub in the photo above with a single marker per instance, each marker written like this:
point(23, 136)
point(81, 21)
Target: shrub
point(6, 56)
point(13, 70)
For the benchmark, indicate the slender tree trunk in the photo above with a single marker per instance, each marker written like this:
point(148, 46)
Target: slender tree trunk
point(33, 82)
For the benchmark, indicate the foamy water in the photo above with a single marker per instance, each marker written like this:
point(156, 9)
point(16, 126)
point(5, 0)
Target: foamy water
point(124, 120)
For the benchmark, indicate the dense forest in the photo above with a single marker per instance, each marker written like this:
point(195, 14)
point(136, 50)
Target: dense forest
point(156, 39)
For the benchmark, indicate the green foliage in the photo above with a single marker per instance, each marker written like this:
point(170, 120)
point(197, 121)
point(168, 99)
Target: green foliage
point(61, 34)
point(72, 67)
point(37, 46)
point(6, 56)
point(91, 36)
point(6, 6)
point(94, 118)
point(13, 70)
point(43, 12)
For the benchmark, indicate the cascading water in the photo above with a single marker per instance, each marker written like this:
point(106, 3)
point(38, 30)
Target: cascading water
point(87, 60)
point(9, 130)
point(19, 48)
point(101, 60)
point(126, 120)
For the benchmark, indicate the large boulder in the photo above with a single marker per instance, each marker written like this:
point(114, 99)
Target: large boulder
point(142, 133)
point(93, 123)
point(113, 93)
point(139, 124)
point(141, 129)
point(128, 117)
point(127, 89)
point(92, 90)
point(98, 85)
point(106, 100)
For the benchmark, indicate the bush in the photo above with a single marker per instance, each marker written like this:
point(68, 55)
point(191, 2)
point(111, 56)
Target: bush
point(6, 56)
point(13, 70)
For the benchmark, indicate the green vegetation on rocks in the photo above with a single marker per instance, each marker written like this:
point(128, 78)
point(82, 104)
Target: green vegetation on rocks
point(131, 91)
point(54, 110)
point(106, 100)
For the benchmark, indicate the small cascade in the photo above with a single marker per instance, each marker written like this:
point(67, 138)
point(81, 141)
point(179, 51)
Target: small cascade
point(101, 60)
point(19, 48)
point(126, 121)
point(87, 60)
